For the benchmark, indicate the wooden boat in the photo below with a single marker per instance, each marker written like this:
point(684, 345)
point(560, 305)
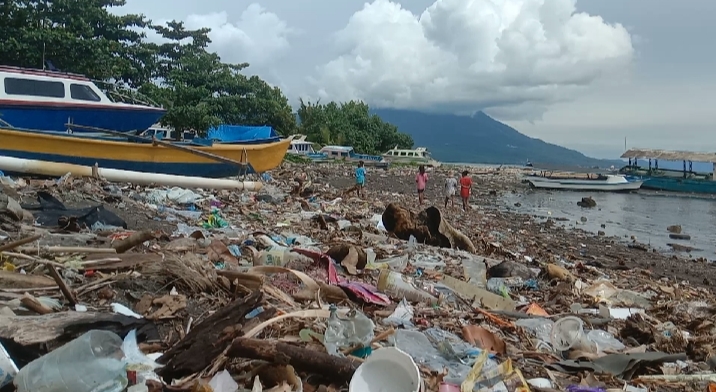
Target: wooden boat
point(420, 155)
point(670, 180)
point(158, 157)
point(47, 100)
point(601, 183)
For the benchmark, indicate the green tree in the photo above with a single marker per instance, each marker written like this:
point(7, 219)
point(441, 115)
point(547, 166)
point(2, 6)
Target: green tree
point(200, 91)
point(75, 36)
point(350, 123)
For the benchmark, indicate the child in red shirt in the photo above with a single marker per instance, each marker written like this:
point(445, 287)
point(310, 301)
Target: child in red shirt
point(465, 186)
point(422, 180)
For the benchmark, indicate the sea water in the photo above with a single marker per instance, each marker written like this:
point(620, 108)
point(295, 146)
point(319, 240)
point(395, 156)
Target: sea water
point(644, 215)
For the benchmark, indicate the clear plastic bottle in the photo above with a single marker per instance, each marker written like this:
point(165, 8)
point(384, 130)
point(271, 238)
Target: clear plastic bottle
point(333, 337)
point(354, 330)
point(91, 363)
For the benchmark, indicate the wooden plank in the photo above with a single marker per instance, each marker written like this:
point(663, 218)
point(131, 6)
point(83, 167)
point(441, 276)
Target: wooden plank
point(14, 280)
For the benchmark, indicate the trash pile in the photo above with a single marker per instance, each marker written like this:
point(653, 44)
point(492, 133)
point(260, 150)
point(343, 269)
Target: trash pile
point(304, 287)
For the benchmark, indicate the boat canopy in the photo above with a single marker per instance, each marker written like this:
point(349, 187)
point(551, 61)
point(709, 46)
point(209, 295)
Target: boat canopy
point(637, 153)
point(567, 168)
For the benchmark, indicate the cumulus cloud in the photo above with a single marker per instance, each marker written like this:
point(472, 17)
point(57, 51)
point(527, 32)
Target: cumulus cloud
point(258, 37)
point(509, 57)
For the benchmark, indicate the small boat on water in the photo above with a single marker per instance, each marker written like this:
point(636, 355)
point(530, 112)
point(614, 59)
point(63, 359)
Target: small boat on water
point(348, 154)
point(671, 180)
point(47, 100)
point(132, 153)
point(419, 155)
point(602, 183)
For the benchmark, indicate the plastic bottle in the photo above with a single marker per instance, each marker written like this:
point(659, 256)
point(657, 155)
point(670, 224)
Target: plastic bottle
point(91, 363)
point(354, 330)
point(280, 256)
point(412, 244)
point(400, 286)
point(333, 337)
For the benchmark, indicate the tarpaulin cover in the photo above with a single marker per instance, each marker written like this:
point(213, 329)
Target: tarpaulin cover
point(242, 134)
point(50, 211)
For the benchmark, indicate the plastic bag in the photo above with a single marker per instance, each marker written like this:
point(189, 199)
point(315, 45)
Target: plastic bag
point(136, 361)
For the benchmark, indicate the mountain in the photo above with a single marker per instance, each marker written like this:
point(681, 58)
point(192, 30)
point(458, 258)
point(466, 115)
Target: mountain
point(482, 139)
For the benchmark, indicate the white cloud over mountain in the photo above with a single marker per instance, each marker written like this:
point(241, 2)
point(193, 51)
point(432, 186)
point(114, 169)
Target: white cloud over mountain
point(511, 56)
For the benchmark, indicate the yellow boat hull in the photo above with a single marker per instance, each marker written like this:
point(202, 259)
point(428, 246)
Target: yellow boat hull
point(142, 157)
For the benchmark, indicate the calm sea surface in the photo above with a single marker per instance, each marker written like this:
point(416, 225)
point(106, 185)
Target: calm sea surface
point(644, 215)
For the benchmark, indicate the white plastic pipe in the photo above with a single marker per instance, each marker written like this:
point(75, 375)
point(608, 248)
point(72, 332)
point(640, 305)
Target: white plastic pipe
point(45, 168)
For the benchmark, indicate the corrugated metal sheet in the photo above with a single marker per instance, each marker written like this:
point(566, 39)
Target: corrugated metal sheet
point(670, 155)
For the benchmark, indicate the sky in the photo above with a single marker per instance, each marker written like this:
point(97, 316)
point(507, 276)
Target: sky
point(586, 74)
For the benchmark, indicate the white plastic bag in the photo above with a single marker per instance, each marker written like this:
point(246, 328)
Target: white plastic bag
point(135, 359)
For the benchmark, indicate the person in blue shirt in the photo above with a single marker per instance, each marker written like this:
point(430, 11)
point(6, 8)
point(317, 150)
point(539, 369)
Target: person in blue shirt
point(360, 177)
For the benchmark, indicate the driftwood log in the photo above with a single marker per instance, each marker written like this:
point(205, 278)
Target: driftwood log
point(428, 227)
point(28, 337)
point(13, 280)
point(208, 339)
point(336, 369)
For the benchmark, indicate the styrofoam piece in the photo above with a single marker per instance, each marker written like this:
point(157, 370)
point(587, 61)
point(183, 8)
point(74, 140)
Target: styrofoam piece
point(387, 369)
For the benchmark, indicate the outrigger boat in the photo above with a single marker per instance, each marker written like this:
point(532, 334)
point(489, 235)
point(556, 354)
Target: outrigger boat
point(584, 181)
point(133, 153)
point(40, 112)
point(685, 180)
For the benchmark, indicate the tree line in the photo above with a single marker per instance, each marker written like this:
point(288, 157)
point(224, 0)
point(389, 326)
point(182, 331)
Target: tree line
point(197, 88)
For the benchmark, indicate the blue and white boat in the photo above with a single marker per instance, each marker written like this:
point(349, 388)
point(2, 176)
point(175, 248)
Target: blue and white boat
point(671, 180)
point(48, 100)
point(598, 183)
point(560, 177)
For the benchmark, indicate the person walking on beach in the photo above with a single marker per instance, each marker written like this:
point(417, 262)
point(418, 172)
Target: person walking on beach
point(422, 180)
point(360, 178)
point(450, 188)
point(465, 187)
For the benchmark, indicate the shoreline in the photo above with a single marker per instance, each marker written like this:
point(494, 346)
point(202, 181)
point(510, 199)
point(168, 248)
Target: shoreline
point(521, 233)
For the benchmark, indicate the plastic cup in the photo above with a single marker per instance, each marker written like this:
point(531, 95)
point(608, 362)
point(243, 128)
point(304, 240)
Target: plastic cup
point(387, 369)
point(568, 334)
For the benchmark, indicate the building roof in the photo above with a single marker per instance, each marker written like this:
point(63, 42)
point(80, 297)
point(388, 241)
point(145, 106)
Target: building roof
point(670, 155)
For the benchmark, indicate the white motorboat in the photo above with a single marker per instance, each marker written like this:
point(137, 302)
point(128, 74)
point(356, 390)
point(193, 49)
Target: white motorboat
point(419, 155)
point(606, 183)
